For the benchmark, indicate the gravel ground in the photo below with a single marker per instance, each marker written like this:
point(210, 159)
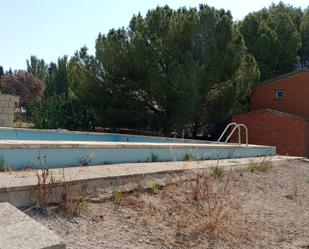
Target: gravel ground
point(268, 209)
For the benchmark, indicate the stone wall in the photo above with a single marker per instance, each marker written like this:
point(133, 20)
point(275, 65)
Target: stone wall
point(7, 109)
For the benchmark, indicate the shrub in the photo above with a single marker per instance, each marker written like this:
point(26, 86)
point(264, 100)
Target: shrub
point(58, 111)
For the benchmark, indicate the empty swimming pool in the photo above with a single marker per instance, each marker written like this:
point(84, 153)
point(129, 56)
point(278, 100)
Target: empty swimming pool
point(22, 148)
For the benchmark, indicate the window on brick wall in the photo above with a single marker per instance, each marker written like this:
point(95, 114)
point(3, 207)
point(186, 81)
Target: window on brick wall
point(279, 94)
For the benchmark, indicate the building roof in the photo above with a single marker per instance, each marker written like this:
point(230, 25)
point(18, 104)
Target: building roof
point(280, 113)
point(273, 80)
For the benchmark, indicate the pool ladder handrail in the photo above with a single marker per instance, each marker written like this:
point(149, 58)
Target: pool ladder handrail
point(236, 126)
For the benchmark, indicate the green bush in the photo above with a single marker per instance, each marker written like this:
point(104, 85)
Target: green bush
point(58, 111)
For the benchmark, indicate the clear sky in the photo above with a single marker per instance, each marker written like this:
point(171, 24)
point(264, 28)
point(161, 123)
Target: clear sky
point(53, 28)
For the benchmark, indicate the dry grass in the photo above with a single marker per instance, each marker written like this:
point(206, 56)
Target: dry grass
point(263, 166)
point(70, 205)
point(258, 210)
point(192, 208)
point(218, 171)
point(127, 200)
point(190, 157)
point(6, 169)
point(44, 192)
point(51, 193)
point(212, 212)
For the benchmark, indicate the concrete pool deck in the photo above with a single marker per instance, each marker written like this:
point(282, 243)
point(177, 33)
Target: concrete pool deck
point(19, 187)
point(19, 231)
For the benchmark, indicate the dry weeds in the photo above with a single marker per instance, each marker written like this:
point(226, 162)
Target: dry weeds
point(212, 211)
point(201, 207)
point(59, 194)
point(262, 210)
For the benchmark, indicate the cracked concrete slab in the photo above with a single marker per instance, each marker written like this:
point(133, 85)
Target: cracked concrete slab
point(19, 231)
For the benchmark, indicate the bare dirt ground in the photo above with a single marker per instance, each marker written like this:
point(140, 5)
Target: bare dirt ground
point(266, 208)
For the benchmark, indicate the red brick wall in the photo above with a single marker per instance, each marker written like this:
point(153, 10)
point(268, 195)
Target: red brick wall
point(306, 140)
point(295, 101)
point(268, 127)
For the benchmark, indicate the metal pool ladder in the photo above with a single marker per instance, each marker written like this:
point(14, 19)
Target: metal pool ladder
point(236, 126)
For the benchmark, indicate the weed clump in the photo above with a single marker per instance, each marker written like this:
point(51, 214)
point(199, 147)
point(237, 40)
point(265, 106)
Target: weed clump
point(44, 192)
point(70, 205)
point(190, 157)
point(50, 192)
point(3, 167)
point(212, 212)
point(252, 167)
point(116, 195)
point(263, 166)
point(154, 188)
point(127, 199)
point(153, 158)
point(218, 171)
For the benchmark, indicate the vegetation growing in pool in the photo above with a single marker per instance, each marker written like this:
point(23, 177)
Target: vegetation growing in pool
point(190, 157)
point(3, 166)
point(153, 158)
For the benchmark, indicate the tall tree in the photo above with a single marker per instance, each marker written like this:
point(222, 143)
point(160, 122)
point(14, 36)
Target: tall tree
point(172, 69)
point(53, 74)
point(296, 14)
point(272, 36)
point(1, 71)
point(289, 42)
point(57, 108)
point(304, 30)
point(57, 81)
point(37, 67)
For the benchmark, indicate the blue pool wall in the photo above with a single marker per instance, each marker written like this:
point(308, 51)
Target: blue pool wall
point(66, 157)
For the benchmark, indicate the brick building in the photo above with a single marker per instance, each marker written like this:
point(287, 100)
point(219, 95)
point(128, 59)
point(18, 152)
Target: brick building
point(279, 114)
